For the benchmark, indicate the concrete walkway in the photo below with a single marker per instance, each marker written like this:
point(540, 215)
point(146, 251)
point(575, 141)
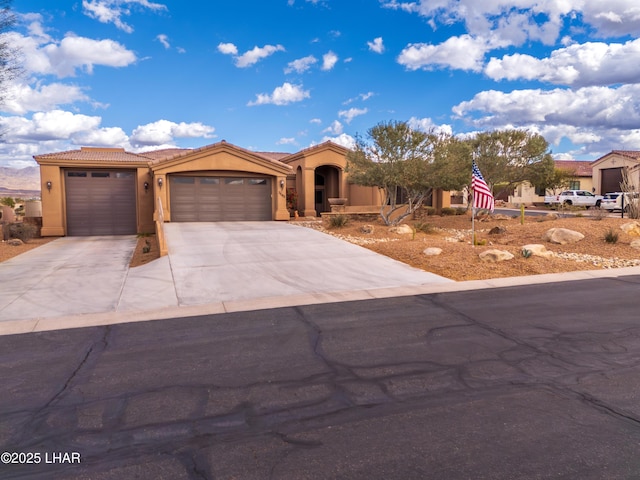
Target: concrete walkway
point(211, 268)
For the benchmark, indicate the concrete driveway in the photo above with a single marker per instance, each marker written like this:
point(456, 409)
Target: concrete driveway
point(208, 264)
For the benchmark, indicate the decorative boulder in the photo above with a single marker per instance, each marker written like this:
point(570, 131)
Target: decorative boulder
point(538, 250)
point(497, 230)
point(562, 236)
point(367, 229)
point(495, 256)
point(432, 251)
point(636, 244)
point(15, 242)
point(403, 229)
point(631, 228)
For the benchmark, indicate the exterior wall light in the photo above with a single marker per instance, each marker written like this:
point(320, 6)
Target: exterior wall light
point(146, 187)
point(160, 182)
point(49, 185)
point(281, 183)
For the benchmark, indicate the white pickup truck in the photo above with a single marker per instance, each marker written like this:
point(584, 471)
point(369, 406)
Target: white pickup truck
point(579, 198)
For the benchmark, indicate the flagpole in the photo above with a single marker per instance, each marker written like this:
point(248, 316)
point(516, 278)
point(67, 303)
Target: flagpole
point(473, 225)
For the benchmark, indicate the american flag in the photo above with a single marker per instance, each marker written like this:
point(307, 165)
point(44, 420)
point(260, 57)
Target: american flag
point(482, 196)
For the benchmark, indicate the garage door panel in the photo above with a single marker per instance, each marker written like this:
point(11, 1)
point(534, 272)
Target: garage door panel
point(100, 202)
point(214, 199)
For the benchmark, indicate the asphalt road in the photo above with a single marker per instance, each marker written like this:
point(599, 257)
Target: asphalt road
point(529, 382)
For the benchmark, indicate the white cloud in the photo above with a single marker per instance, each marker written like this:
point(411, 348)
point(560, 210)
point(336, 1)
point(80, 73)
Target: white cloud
point(164, 40)
point(64, 58)
point(343, 139)
point(315, 121)
point(112, 11)
point(103, 137)
point(516, 22)
point(591, 63)
point(22, 98)
point(329, 61)
point(286, 141)
point(464, 53)
point(165, 131)
point(426, 125)
point(301, 65)
point(283, 95)
point(335, 128)
point(228, 48)
point(352, 113)
point(361, 97)
point(44, 126)
point(596, 116)
point(250, 57)
point(376, 46)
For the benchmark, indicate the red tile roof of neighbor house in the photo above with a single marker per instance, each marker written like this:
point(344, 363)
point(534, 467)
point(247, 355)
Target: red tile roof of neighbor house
point(580, 167)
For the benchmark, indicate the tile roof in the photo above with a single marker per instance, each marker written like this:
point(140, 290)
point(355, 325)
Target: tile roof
point(91, 154)
point(165, 153)
point(582, 168)
point(628, 153)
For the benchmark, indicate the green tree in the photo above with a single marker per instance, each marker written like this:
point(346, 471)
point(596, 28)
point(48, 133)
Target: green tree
point(396, 159)
point(547, 176)
point(8, 201)
point(506, 157)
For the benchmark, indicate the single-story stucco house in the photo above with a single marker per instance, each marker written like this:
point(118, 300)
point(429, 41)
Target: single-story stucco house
point(109, 191)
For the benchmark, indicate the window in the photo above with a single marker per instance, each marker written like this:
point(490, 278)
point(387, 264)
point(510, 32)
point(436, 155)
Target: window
point(76, 174)
point(574, 185)
point(209, 181)
point(100, 174)
point(234, 181)
point(184, 180)
point(257, 181)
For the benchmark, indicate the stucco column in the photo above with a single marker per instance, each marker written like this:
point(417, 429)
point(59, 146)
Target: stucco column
point(52, 201)
point(160, 191)
point(309, 192)
point(281, 199)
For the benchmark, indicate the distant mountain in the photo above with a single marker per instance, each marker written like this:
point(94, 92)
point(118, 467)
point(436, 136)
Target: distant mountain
point(19, 182)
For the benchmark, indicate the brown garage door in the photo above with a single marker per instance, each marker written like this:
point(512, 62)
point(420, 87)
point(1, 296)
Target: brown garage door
point(610, 179)
point(100, 202)
point(217, 199)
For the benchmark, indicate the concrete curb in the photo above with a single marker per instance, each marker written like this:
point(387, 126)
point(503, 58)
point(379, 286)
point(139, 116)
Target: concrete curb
point(118, 317)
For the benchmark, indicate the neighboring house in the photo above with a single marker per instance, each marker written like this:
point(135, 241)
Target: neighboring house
point(581, 180)
point(108, 191)
point(607, 170)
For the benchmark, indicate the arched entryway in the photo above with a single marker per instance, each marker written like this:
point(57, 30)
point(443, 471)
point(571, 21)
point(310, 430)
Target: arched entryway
point(327, 185)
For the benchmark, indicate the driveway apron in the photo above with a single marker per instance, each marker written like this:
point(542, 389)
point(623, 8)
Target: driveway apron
point(227, 261)
point(68, 276)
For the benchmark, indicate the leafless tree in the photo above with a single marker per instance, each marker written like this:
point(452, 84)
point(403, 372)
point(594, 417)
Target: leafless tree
point(630, 195)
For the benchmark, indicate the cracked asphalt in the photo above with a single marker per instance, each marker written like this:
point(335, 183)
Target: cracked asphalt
point(526, 382)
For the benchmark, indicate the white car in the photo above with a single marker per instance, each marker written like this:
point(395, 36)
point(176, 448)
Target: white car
point(613, 201)
point(579, 198)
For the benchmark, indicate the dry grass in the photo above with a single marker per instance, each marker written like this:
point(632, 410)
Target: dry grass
point(460, 261)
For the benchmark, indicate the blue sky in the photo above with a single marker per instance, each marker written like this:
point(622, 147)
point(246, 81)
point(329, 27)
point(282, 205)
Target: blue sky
point(282, 75)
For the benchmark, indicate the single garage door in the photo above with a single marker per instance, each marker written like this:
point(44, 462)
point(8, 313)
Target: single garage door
point(100, 202)
point(218, 199)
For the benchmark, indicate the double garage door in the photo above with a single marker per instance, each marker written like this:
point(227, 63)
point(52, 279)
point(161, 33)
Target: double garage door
point(100, 202)
point(216, 199)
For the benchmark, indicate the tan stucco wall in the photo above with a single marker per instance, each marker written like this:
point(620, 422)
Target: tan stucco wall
point(614, 160)
point(53, 224)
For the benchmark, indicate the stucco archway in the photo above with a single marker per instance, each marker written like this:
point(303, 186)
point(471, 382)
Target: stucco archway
point(326, 185)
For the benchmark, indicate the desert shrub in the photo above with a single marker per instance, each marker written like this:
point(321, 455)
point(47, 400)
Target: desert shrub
point(423, 227)
point(598, 213)
point(338, 221)
point(448, 211)
point(611, 236)
point(22, 231)
point(526, 253)
point(429, 210)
